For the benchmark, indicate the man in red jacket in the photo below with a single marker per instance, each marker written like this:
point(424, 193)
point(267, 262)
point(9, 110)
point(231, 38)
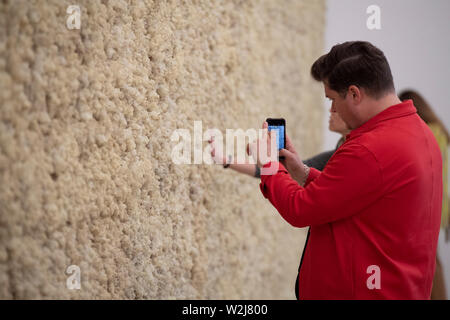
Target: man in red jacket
point(374, 211)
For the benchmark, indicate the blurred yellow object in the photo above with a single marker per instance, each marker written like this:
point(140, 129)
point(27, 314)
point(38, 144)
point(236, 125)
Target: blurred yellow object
point(442, 140)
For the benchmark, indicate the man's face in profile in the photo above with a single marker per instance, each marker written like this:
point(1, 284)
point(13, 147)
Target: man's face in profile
point(339, 105)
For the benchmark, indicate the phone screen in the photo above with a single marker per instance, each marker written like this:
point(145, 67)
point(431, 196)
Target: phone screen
point(280, 135)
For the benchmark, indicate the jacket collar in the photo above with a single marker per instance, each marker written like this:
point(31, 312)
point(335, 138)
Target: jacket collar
point(405, 108)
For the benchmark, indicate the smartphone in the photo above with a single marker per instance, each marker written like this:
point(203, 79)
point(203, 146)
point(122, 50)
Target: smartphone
point(278, 124)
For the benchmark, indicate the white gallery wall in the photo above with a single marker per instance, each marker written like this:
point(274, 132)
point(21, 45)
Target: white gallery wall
point(414, 36)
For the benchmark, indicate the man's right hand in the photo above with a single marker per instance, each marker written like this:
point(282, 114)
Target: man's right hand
point(292, 161)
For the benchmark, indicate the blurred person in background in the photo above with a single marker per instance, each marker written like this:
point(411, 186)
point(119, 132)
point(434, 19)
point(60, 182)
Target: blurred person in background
point(427, 114)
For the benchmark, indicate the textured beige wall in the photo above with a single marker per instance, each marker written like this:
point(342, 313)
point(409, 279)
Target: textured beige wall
point(86, 176)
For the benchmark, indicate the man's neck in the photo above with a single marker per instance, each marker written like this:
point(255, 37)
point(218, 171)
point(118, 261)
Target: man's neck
point(374, 107)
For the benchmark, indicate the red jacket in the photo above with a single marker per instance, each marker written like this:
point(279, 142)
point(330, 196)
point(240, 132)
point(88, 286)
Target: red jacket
point(377, 203)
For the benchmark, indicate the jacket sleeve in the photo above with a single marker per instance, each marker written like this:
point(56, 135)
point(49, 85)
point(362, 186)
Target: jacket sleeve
point(350, 182)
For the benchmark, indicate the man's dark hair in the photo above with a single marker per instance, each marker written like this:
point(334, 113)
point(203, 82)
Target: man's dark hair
point(356, 63)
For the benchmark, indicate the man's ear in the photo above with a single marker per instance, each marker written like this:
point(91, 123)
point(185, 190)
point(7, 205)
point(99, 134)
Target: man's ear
point(355, 94)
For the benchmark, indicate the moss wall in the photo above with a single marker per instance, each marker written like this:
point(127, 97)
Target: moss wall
point(86, 176)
